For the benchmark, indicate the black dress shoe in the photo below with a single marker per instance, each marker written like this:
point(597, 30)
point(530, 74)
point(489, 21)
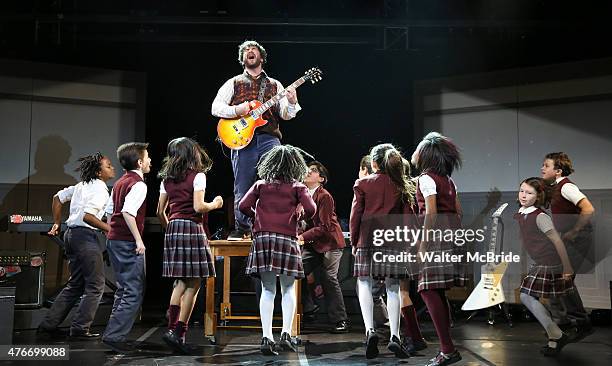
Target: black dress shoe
point(119, 347)
point(174, 342)
point(555, 346)
point(583, 331)
point(52, 332)
point(267, 347)
point(286, 343)
point(396, 346)
point(341, 327)
point(84, 335)
point(372, 344)
point(445, 359)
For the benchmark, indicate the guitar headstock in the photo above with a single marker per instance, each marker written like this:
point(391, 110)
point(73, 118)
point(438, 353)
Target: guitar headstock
point(499, 211)
point(314, 75)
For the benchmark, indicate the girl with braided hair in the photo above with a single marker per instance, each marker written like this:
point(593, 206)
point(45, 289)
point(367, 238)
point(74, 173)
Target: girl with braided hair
point(275, 203)
point(87, 200)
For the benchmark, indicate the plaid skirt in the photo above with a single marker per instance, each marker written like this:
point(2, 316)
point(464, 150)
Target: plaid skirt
point(443, 275)
point(186, 251)
point(274, 252)
point(375, 262)
point(546, 281)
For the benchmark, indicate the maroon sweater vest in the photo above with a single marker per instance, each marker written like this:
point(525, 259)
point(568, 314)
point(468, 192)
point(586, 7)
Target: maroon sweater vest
point(118, 227)
point(445, 195)
point(536, 243)
point(564, 212)
point(180, 198)
point(246, 89)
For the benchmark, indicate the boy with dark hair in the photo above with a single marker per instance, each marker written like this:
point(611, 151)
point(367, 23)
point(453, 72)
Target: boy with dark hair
point(86, 283)
point(323, 244)
point(571, 213)
point(126, 210)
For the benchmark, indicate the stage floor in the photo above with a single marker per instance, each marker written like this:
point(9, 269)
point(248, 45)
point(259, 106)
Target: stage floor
point(479, 344)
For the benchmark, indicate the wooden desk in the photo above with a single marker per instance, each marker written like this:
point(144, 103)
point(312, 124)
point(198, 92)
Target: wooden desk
point(228, 249)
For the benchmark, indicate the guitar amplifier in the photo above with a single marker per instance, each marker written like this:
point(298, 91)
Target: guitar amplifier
point(26, 272)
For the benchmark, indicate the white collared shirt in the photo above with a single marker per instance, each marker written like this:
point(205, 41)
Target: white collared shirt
point(312, 191)
point(199, 184)
point(570, 192)
point(133, 200)
point(427, 185)
point(222, 109)
point(84, 198)
point(544, 222)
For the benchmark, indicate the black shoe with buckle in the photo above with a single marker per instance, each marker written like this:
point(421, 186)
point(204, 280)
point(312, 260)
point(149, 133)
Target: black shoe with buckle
point(286, 343)
point(267, 347)
point(372, 344)
point(341, 327)
point(397, 347)
point(83, 334)
point(173, 341)
point(445, 359)
point(555, 346)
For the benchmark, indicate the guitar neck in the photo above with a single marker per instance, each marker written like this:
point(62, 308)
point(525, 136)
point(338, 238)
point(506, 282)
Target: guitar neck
point(493, 241)
point(275, 99)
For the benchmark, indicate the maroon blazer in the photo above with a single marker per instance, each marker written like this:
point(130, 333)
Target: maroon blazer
point(274, 206)
point(324, 231)
point(375, 196)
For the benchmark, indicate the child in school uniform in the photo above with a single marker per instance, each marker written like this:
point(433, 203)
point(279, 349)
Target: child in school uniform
point(437, 157)
point(551, 274)
point(571, 214)
point(126, 210)
point(87, 199)
point(187, 255)
point(274, 202)
point(378, 199)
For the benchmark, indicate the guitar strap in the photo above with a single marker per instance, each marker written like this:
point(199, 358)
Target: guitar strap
point(262, 89)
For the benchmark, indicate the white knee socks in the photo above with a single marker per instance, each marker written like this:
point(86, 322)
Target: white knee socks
point(393, 305)
point(364, 292)
point(288, 302)
point(266, 303)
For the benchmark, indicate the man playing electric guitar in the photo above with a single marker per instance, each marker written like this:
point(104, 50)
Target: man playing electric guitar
point(232, 101)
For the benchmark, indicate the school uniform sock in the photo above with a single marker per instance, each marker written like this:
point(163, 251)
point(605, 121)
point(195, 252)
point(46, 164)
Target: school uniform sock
point(288, 302)
point(364, 292)
point(411, 323)
point(266, 303)
point(543, 315)
point(436, 304)
point(393, 305)
point(181, 330)
point(173, 316)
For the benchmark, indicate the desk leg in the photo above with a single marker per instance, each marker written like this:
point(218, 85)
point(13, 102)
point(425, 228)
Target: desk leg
point(210, 318)
point(297, 317)
point(226, 305)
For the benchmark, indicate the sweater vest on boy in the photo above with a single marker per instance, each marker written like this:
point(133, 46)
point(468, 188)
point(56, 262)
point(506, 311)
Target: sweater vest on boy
point(536, 243)
point(564, 212)
point(180, 198)
point(247, 89)
point(118, 227)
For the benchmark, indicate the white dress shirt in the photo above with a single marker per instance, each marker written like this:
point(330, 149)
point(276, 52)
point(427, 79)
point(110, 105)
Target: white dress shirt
point(84, 198)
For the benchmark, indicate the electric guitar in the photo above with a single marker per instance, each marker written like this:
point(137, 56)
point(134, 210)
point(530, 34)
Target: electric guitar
point(489, 291)
point(237, 133)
